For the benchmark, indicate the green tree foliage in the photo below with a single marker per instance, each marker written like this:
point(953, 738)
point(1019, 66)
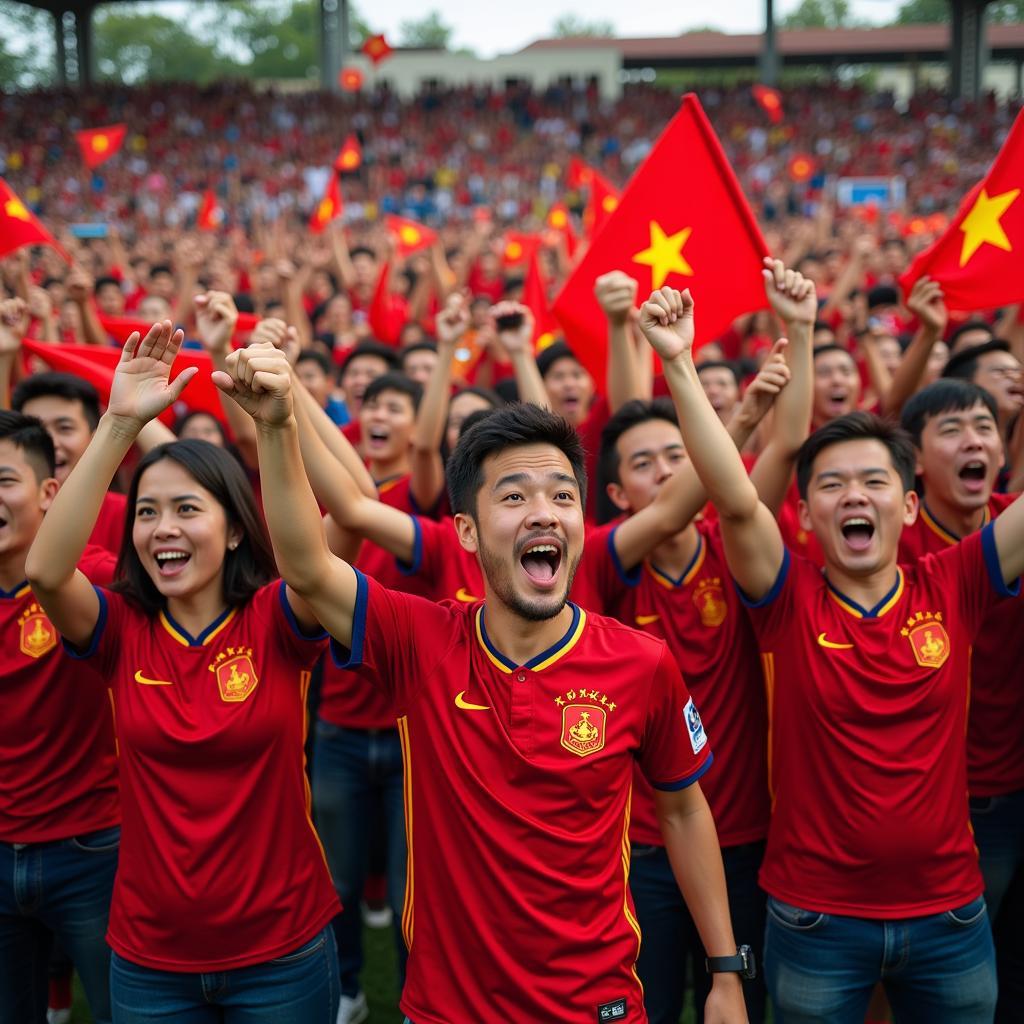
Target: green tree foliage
point(572, 25)
point(819, 14)
point(430, 32)
point(1006, 11)
point(26, 46)
point(936, 12)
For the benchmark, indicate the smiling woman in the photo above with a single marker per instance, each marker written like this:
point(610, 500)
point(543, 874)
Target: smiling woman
point(207, 667)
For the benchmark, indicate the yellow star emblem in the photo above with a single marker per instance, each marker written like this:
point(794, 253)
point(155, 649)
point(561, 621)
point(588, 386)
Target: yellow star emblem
point(100, 143)
point(16, 208)
point(665, 254)
point(982, 225)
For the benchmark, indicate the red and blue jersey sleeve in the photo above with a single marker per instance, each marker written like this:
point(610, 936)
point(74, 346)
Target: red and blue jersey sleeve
point(675, 751)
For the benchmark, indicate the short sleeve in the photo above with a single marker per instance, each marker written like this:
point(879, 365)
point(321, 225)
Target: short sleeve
point(601, 579)
point(304, 648)
point(397, 639)
point(675, 751)
point(776, 609)
point(103, 648)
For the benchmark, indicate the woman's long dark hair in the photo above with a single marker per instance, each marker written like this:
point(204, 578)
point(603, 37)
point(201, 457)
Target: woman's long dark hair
point(246, 569)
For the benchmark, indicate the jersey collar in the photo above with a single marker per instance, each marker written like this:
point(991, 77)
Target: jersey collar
point(858, 611)
point(19, 591)
point(945, 533)
point(688, 573)
point(186, 639)
point(545, 658)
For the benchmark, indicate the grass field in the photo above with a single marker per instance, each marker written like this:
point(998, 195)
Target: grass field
point(378, 982)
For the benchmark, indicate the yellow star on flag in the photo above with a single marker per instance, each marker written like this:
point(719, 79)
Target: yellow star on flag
point(325, 210)
point(982, 225)
point(665, 254)
point(100, 143)
point(16, 208)
point(409, 235)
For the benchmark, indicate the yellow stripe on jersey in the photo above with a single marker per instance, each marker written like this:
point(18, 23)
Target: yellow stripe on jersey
point(886, 604)
point(688, 574)
point(630, 918)
point(113, 715)
point(22, 590)
point(937, 528)
point(304, 680)
point(896, 595)
point(407, 910)
point(204, 638)
point(567, 644)
point(482, 640)
point(768, 670)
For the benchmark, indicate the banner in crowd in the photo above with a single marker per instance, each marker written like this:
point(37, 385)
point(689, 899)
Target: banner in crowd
point(682, 221)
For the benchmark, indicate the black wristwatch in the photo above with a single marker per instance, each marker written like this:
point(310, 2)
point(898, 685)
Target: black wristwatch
point(742, 963)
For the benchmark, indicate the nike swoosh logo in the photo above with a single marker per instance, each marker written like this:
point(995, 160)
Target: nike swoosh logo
point(832, 646)
point(140, 678)
point(463, 704)
point(646, 620)
point(465, 596)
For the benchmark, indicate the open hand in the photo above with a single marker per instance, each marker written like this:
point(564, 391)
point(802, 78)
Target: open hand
point(926, 302)
point(259, 379)
point(141, 388)
point(216, 317)
point(666, 320)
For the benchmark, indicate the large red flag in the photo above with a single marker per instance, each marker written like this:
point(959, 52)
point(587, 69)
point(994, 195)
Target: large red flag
point(100, 144)
point(545, 326)
point(560, 221)
point(410, 235)
point(350, 156)
point(769, 100)
point(96, 364)
point(119, 327)
point(682, 221)
point(979, 261)
point(19, 225)
point(328, 208)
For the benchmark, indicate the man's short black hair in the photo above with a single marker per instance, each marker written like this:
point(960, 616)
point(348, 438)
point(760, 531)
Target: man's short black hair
point(630, 415)
point(719, 364)
point(426, 345)
point(370, 348)
point(948, 395)
point(513, 426)
point(883, 295)
point(103, 281)
point(160, 268)
point(59, 385)
point(32, 439)
point(969, 325)
point(964, 365)
point(394, 381)
point(820, 350)
point(858, 426)
point(552, 354)
point(314, 355)
point(362, 250)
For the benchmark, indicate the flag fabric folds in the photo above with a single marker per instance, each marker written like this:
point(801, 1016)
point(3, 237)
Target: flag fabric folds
point(19, 226)
point(410, 235)
point(979, 261)
point(350, 156)
point(682, 221)
point(770, 101)
point(99, 144)
point(328, 208)
point(211, 213)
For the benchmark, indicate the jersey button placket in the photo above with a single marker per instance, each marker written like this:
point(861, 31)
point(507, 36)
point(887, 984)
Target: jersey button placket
point(521, 725)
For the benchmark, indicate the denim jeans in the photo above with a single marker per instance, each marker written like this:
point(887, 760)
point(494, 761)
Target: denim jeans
point(998, 824)
point(57, 889)
point(670, 939)
point(938, 969)
point(357, 773)
point(300, 987)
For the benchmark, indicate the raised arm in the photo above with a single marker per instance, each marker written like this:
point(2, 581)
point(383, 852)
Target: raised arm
point(927, 303)
point(13, 323)
point(321, 586)
point(795, 303)
point(1009, 535)
point(426, 482)
point(616, 295)
point(753, 544)
point(139, 392)
point(515, 336)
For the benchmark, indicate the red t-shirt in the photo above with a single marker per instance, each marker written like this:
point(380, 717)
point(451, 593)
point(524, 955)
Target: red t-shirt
point(58, 763)
point(801, 542)
point(590, 434)
point(995, 719)
point(705, 625)
point(220, 866)
point(518, 781)
point(109, 528)
point(868, 711)
point(440, 570)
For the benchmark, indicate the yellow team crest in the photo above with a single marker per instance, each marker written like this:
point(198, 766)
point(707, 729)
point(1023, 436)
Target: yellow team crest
point(928, 638)
point(583, 728)
point(710, 602)
point(37, 633)
point(235, 673)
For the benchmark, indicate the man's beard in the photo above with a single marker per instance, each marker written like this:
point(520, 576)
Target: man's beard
point(501, 584)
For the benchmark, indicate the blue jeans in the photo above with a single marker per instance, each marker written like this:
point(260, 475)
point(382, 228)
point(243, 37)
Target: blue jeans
point(357, 773)
point(670, 938)
point(57, 889)
point(300, 987)
point(938, 969)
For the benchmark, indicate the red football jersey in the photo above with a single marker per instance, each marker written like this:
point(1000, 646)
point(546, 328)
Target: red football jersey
point(800, 541)
point(867, 711)
point(58, 767)
point(220, 866)
point(109, 528)
point(995, 719)
point(440, 570)
point(517, 798)
point(705, 625)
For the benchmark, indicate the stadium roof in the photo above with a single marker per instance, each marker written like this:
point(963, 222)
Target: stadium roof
point(900, 43)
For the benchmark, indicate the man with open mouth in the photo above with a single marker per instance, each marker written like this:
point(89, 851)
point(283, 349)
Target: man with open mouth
point(521, 717)
point(870, 865)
